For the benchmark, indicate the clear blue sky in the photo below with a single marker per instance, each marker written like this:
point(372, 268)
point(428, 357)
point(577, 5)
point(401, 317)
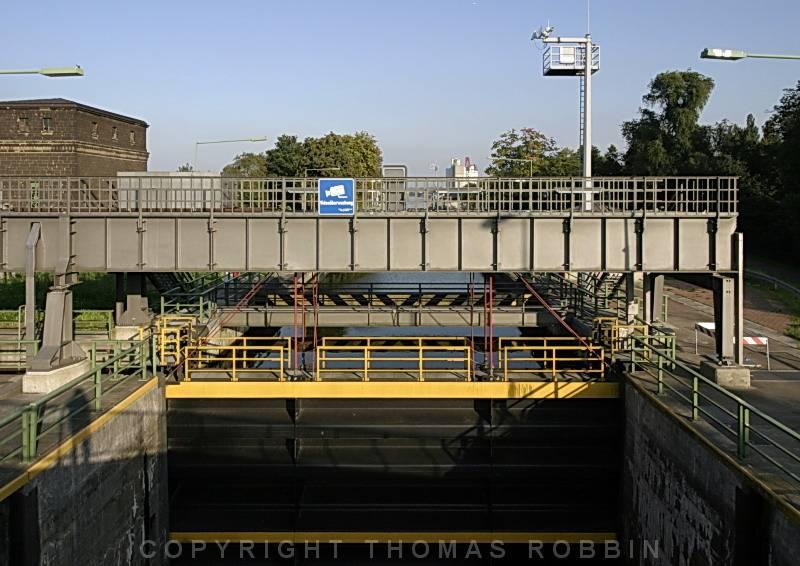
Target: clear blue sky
point(431, 79)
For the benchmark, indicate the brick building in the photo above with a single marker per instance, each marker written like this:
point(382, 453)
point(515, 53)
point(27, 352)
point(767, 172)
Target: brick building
point(58, 137)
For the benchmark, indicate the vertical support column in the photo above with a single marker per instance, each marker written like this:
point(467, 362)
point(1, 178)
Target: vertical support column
point(738, 247)
point(30, 281)
point(652, 297)
point(647, 298)
point(724, 314)
point(119, 296)
point(630, 299)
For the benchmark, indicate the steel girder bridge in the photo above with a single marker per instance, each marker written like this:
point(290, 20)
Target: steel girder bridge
point(148, 224)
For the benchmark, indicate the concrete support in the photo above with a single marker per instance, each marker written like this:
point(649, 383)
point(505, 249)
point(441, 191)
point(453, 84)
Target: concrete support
point(59, 357)
point(30, 281)
point(631, 309)
point(136, 308)
point(119, 295)
point(724, 289)
point(738, 248)
point(652, 297)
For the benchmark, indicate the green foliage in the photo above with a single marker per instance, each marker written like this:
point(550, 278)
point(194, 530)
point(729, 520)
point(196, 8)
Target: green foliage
point(542, 154)
point(356, 155)
point(95, 291)
point(664, 139)
point(185, 168)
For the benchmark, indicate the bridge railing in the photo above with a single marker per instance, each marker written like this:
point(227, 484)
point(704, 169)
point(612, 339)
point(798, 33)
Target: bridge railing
point(676, 196)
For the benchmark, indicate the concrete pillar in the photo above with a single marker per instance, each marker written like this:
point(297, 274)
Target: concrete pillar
point(631, 310)
point(652, 297)
point(119, 292)
point(30, 281)
point(724, 289)
point(738, 247)
point(136, 308)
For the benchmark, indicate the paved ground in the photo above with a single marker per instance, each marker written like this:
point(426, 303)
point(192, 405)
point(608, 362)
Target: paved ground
point(776, 392)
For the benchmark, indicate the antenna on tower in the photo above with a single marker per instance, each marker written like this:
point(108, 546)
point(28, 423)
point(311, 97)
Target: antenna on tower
point(588, 16)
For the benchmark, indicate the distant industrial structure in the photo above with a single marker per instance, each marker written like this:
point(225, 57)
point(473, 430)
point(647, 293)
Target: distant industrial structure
point(465, 170)
point(59, 137)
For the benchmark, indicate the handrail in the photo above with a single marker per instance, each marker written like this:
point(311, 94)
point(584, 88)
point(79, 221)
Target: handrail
point(35, 421)
point(416, 361)
point(742, 416)
point(414, 196)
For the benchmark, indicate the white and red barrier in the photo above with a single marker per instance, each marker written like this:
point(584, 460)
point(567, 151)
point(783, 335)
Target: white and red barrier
point(709, 329)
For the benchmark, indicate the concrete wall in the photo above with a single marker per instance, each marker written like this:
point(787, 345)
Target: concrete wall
point(99, 501)
point(697, 503)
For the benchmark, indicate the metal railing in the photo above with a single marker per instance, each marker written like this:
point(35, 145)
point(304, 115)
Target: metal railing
point(667, 196)
point(22, 430)
point(621, 338)
point(370, 358)
point(552, 356)
point(236, 358)
point(753, 431)
point(14, 353)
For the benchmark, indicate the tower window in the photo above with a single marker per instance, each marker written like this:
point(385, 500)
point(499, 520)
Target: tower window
point(47, 124)
point(95, 130)
point(132, 137)
point(114, 133)
point(22, 124)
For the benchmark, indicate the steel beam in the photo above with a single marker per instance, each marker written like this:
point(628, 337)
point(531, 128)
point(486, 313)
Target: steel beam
point(468, 242)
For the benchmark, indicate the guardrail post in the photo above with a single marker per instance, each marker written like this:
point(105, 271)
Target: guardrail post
point(660, 374)
point(695, 398)
point(743, 433)
point(30, 418)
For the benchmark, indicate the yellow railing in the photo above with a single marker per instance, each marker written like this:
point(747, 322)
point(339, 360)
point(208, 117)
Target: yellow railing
point(238, 357)
point(418, 358)
point(555, 356)
point(174, 333)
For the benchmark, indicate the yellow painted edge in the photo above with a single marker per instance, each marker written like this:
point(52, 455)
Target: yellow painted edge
point(390, 390)
point(383, 537)
point(51, 458)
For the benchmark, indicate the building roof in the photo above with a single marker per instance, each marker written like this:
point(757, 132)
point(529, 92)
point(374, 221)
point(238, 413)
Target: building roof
point(64, 103)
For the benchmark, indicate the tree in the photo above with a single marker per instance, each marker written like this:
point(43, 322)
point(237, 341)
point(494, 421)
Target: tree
point(529, 144)
point(664, 138)
point(286, 159)
point(609, 164)
point(185, 168)
point(247, 165)
point(356, 155)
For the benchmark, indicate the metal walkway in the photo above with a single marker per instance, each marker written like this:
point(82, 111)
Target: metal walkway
point(150, 224)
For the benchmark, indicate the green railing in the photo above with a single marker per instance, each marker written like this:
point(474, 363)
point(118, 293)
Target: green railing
point(751, 429)
point(14, 353)
point(93, 321)
point(112, 363)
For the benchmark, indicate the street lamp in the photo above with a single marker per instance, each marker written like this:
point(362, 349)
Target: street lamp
point(516, 159)
point(736, 54)
point(320, 170)
point(75, 71)
point(197, 144)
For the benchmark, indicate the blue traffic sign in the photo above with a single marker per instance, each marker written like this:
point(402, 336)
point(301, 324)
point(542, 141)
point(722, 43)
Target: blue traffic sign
point(337, 197)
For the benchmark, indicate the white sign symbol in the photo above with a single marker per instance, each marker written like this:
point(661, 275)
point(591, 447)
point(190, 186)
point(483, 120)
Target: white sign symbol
point(337, 191)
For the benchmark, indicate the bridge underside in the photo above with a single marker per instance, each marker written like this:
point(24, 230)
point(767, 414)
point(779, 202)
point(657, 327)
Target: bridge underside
point(170, 242)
